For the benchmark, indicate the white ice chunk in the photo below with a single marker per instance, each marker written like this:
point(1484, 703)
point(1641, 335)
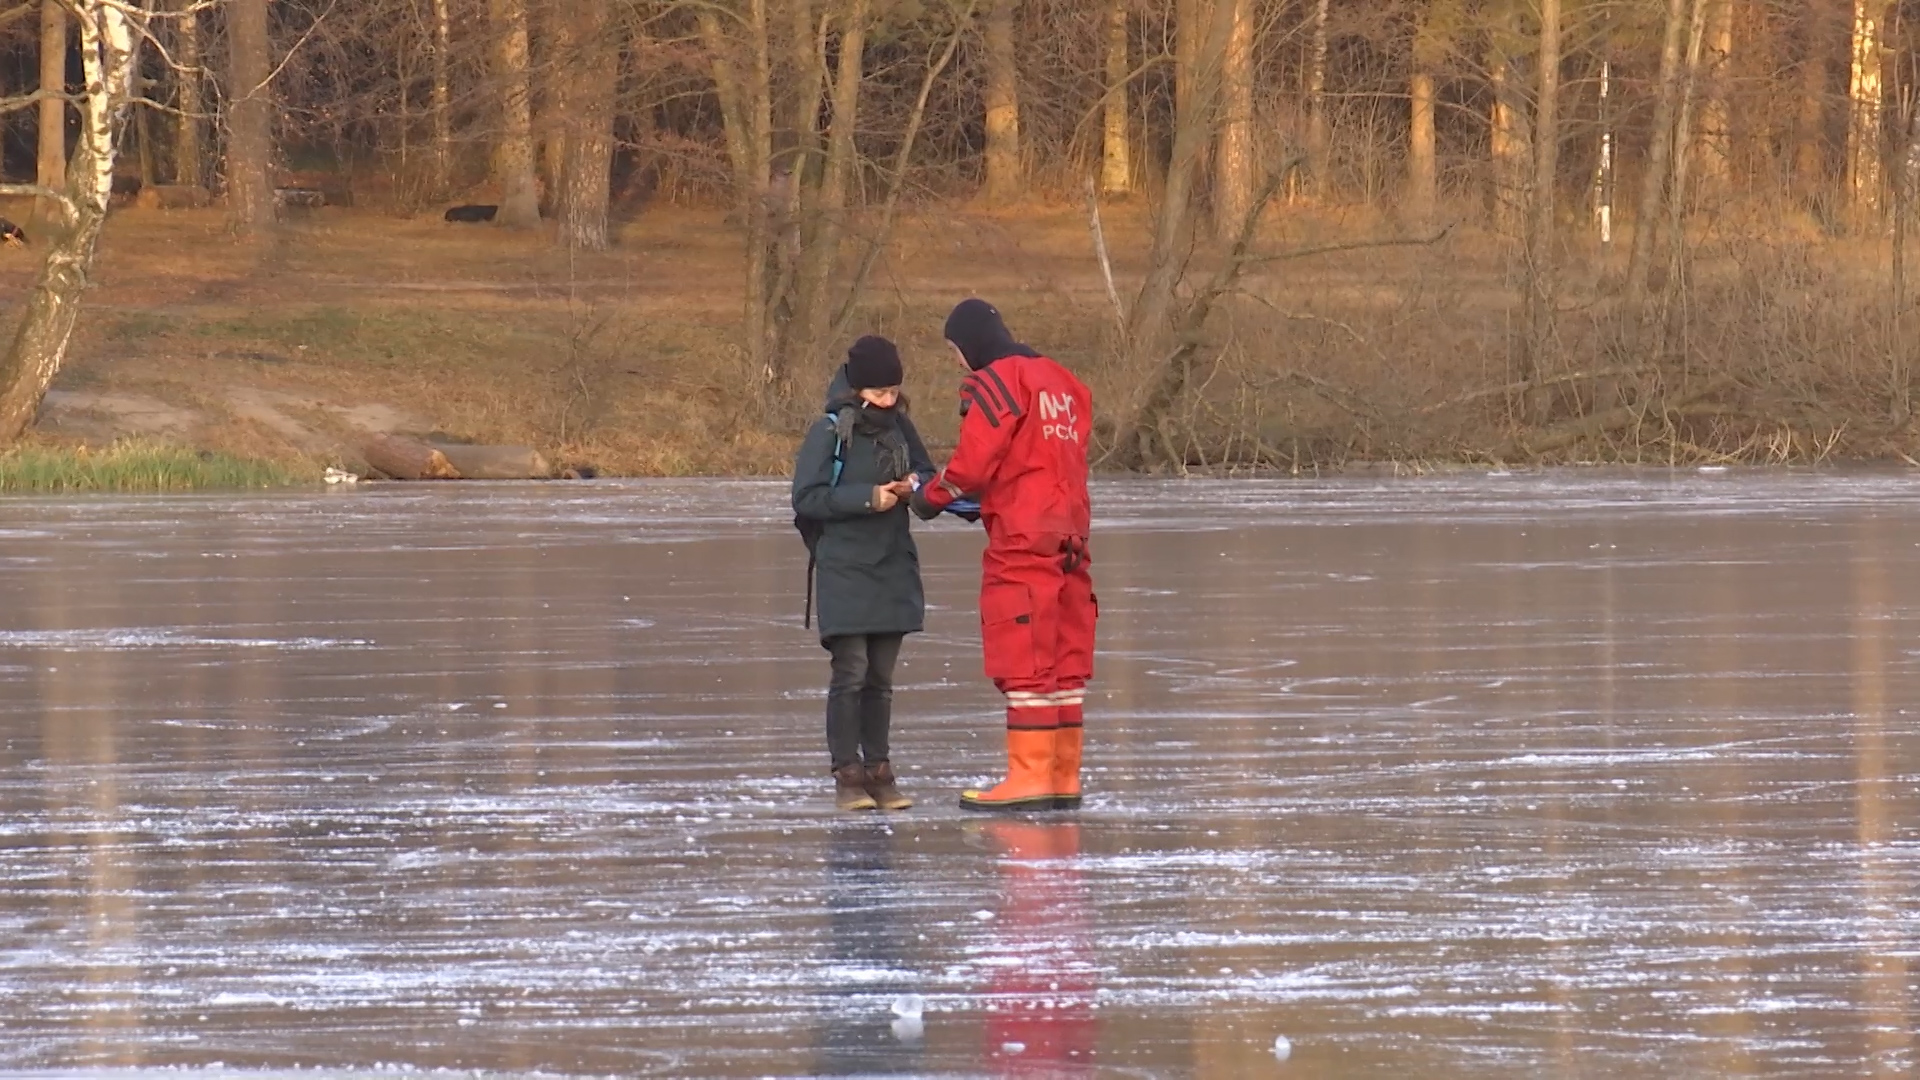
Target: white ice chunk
point(1282, 1047)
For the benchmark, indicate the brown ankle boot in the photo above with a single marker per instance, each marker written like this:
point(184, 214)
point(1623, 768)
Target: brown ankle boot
point(880, 785)
point(850, 788)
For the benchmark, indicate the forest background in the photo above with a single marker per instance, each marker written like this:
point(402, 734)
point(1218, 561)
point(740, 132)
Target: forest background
point(1271, 234)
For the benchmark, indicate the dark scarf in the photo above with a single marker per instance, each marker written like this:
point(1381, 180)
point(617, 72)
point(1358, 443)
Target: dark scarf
point(852, 416)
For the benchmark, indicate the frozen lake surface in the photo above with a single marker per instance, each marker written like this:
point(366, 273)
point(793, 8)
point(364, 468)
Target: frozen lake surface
point(1470, 777)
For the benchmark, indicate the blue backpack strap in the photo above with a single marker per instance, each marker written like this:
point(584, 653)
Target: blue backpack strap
point(839, 449)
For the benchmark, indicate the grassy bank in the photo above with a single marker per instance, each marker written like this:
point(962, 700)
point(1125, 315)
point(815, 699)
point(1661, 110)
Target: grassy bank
point(131, 466)
point(1779, 345)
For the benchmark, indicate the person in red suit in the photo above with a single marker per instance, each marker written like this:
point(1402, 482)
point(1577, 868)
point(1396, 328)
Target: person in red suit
point(1025, 427)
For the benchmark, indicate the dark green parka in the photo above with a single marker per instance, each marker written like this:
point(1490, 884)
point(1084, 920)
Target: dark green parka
point(869, 568)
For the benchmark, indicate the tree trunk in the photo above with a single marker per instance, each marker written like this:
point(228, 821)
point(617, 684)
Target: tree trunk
point(1603, 171)
point(1433, 44)
point(1422, 169)
point(588, 172)
point(743, 83)
point(553, 116)
point(52, 308)
point(730, 89)
point(1151, 322)
point(442, 98)
point(1653, 182)
point(1234, 165)
point(820, 260)
point(143, 135)
point(187, 167)
point(53, 111)
point(1187, 33)
point(1192, 131)
point(807, 38)
point(513, 151)
point(1003, 106)
point(1546, 172)
point(1508, 133)
point(1319, 137)
point(1716, 112)
point(1864, 106)
point(1810, 136)
point(551, 173)
point(1116, 152)
point(1683, 142)
point(250, 207)
point(794, 216)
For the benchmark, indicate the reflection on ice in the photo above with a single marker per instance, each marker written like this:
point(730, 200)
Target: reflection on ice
point(1470, 776)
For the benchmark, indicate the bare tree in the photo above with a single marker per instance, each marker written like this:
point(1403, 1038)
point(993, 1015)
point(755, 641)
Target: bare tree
point(1546, 173)
point(442, 96)
point(791, 308)
point(1432, 41)
point(1192, 132)
point(187, 152)
point(1116, 155)
point(1658, 170)
point(1234, 163)
point(109, 30)
point(825, 223)
point(53, 107)
point(1716, 113)
point(1864, 108)
point(513, 150)
point(1508, 133)
point(1683, 142)
point(1150, 322)
point(592, 68)
point(1810, 134)
point(250, 207)
point(1004, 181)
point(1319, 138)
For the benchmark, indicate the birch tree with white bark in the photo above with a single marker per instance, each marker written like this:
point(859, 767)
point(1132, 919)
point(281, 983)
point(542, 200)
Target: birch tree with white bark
point(109, 32)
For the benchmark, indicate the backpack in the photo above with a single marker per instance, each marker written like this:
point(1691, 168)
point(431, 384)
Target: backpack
point(809, 528)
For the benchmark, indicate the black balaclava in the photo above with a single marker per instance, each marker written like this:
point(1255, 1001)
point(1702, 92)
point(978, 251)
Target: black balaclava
point(975, 327)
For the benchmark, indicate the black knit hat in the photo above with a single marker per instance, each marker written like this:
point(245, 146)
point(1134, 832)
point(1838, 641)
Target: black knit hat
point(873, 364)
point(976, 329)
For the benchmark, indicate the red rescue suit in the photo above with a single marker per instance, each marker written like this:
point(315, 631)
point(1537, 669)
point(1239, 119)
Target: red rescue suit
point(1023, 455)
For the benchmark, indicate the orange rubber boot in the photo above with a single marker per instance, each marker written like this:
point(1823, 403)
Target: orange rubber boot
point(1029, 782)
point(1066, 768)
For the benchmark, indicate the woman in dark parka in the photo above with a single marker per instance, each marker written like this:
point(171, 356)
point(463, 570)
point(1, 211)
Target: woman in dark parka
point(869, 569)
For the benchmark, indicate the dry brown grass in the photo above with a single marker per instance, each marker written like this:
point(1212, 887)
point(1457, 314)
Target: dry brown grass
point(628, 360)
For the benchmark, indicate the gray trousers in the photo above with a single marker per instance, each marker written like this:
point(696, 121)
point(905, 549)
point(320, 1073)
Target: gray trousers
point(860, 697)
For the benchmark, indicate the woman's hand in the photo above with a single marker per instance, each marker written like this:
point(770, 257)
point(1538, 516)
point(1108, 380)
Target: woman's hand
point(884, 498)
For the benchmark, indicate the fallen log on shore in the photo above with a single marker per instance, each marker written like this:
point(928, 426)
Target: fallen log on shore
point(496, 462)
point(402, 458)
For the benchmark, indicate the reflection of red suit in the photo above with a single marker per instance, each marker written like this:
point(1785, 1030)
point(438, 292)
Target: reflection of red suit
point(1023, 454)
point(1043, 1021)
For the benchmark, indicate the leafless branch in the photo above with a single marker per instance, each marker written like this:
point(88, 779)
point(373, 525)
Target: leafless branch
point(1356, 245)
point(1106, 264)
point(28, 101)
point(40, 191)
point(1522, 387)
point(876, 243)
